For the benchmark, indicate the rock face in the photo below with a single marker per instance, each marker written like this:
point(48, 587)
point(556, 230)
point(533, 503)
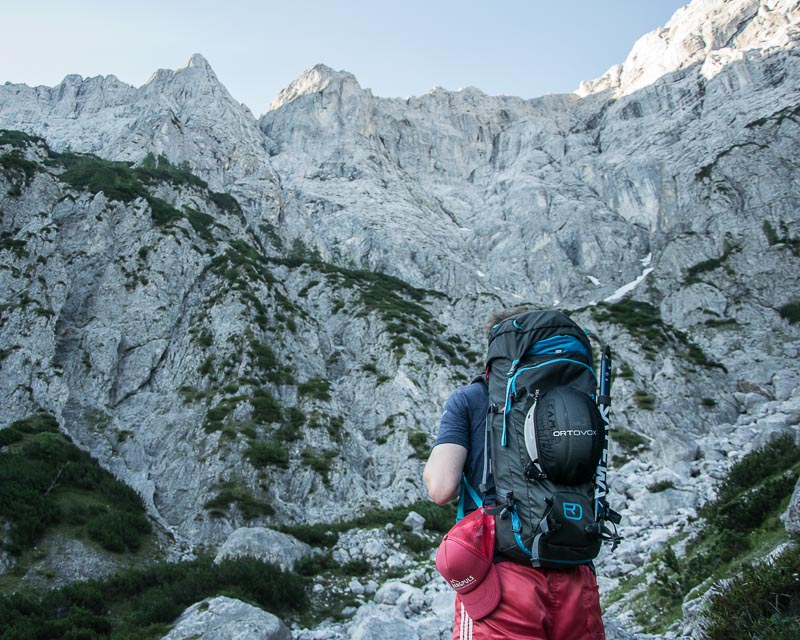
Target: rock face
point(224, 618)
point(281, 355)
point(791, 517)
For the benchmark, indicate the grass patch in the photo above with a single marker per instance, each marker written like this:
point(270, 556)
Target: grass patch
point(740, 525)
point(315, 388)
point(790, 312)
point(320, 462)
point(401, 307)
point(661, 485)
point(643, 321)
point(45, 480)
point(763, 601)
point(267, 453)
point(236, 494)
point(694, 273)
point(437, 519)
point(141, 604)
point(629, 441)
point(644, 400)
point(420, 442)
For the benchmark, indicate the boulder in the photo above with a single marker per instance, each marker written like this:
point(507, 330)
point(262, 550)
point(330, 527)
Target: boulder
point(224, 618)
point(791, 517)
point(266, 545)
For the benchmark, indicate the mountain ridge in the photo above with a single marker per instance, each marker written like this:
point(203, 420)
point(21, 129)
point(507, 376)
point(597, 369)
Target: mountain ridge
point(211, 304)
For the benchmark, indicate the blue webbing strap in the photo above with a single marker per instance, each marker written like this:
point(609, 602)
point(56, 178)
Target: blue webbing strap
point(466, 487)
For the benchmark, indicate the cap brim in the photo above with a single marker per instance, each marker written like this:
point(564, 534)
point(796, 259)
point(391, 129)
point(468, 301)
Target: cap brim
point(484, 598)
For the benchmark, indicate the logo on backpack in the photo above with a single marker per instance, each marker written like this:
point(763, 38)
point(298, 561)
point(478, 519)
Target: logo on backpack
point(575, 432)
point(573, 511)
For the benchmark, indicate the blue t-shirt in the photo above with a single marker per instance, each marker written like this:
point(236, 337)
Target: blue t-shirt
point(464, 423)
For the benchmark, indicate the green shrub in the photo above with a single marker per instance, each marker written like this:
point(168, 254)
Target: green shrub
point(154, 170)
point(45, 479)
point(90, 173)
point(119, 531)
point(662, 485)
point(233, 493)
point(749, 509)
point(9, 436)
point(644, 400)
point(419, 441)
point(416, 543)
point(778, 455)
point(694, 272)
point(742, 521)
point(763, 601)
point(319, 462)
point(643, 321)
point(140, 603)
point(358, 567)
point(315, 565)
point(266, 409)
point(18, 170)
point(267, 453)
point(18, 139)
point(316, 388)
point(123, 182)
point(317, 535)
point(790, 312)
point(770, 233)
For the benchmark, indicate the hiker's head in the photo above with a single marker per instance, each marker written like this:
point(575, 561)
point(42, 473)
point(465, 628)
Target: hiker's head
point(498, 316)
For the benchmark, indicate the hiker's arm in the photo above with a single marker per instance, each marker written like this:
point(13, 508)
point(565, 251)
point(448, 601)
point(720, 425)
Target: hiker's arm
point(443, 471)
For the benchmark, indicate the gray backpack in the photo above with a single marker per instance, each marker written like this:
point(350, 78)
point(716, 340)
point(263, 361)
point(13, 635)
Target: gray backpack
point(547, 441)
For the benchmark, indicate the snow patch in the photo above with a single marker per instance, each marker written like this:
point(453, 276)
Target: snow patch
point(625, 289)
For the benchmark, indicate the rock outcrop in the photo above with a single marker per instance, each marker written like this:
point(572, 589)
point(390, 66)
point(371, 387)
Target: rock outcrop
point(255, 322)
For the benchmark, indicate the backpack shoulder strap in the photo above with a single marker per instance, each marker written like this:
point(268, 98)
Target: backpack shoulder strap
point(466, 488)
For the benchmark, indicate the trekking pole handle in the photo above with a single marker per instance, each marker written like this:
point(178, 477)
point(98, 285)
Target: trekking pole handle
point(605, 375)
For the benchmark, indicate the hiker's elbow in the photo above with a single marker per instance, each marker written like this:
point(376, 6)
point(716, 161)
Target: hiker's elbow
point(442, 475)
point(440, 493)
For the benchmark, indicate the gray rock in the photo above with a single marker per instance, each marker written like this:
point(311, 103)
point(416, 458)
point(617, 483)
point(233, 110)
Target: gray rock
point(791, 517)
point(264, 544)
point(64, 561)
point(414, 522)
point(663, 182)
point(223, 618)
point(374, 626)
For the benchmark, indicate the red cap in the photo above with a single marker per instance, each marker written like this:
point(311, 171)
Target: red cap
point(465, 560)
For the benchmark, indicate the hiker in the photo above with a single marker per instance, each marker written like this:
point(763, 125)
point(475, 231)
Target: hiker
point(512, 599)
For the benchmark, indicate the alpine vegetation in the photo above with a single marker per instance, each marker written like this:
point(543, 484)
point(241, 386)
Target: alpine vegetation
point(226, 341)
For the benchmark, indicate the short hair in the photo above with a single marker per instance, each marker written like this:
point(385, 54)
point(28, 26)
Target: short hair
point(498, 316)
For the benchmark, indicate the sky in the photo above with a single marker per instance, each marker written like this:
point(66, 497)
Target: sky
point(525, 48)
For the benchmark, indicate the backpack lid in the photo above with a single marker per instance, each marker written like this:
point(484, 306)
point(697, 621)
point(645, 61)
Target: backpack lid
point(514, 336)
point(564, 434)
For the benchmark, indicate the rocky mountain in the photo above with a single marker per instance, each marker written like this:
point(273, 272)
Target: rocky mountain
point(256, 321)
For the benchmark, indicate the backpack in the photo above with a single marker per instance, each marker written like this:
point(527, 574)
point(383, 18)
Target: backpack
point(547, 441)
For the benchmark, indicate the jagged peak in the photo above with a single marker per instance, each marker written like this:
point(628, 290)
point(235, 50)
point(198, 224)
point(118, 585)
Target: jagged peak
point(313, 80)
point(197, 60)
point(196, 64)
point(697, 32)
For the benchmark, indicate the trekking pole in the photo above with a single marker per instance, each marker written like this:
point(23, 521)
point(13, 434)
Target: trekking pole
point(604, 406)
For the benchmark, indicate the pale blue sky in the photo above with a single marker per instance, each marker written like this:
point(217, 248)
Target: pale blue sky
point(396, 49)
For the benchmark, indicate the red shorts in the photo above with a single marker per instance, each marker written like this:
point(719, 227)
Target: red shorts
point(538, 604)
